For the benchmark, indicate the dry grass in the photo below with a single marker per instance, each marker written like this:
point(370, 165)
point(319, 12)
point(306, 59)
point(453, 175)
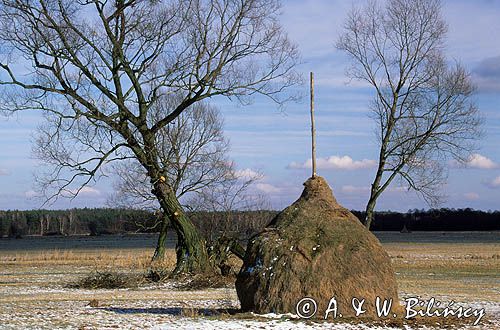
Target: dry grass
point(31, 282)
point(113, 269)
point(468, 271)
point(462, 271)
point(133, 259)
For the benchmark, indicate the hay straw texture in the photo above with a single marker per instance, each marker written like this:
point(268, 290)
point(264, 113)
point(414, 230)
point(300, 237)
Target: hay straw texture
point(315, 248)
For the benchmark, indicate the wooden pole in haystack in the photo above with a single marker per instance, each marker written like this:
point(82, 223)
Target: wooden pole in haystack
point(313, 129)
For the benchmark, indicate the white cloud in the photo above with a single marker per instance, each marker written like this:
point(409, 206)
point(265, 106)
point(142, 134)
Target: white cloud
point(348, 189)
point(3, 171)
point(471, 196)
point(31, 194)
point(267, 188)
point(354, 190)
point(247, 174)
point(84, 192)
point(495, 183)
point(476, 161)
point(88, 191)
point(480, 161)
point(335, 162)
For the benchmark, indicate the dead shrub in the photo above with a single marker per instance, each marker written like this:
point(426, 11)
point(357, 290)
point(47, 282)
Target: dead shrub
point(157, 275)
point(106, 280)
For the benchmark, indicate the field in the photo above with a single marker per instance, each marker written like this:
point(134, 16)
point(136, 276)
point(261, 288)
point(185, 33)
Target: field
point(36, 276)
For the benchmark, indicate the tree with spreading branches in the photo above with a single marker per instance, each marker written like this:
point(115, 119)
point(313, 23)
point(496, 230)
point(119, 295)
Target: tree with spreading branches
point(193, 151)
point(422, 105)
point(97, 68)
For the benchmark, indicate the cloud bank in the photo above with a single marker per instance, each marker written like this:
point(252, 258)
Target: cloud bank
point(248, 174)
point(335, 163)
point(267, 188)
point(477, 161)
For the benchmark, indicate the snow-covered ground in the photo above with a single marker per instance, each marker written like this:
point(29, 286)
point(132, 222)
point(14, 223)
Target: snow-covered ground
point(155, 306)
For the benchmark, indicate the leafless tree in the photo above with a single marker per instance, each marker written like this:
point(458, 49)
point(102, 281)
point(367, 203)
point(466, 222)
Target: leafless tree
point(193, 151)
point(216, 207)
point(422, 105)
point(236, 192)
point(96, 69)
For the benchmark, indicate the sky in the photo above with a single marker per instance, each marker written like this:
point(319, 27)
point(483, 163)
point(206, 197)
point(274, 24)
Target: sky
point(276, 141)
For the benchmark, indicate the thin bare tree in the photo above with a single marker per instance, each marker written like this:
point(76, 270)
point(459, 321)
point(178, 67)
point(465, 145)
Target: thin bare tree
point(194, 152)
point(422, 105)
point(96, 68)
point(218, 205)
point(235, 192)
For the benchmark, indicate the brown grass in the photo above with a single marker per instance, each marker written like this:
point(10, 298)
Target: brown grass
point(132, 259)
point(460, 271)
point(465, 271)
point(454, 271)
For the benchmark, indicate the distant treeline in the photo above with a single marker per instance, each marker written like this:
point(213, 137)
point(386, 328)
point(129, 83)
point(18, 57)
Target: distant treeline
point(241, 223)
point(74, 222)
point(103, 221)
point(435, 220)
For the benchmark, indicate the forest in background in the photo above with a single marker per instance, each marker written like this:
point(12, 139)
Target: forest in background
point(242, 224)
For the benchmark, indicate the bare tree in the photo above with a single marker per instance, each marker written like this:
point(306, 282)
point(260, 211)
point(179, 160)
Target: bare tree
point(422, 105)
point(96, 68)
point(235, 192)
point(193, 151)
point(217, 206)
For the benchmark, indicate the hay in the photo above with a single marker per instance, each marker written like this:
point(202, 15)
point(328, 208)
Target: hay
point(314, 248)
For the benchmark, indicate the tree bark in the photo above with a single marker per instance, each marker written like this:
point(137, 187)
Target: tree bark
point(159, 253)
point(374, 191)
point(191, 249)
point(370, 207)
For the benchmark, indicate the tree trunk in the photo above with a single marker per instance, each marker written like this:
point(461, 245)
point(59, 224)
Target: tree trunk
point(370, 207)
point(191, 250)
point(162, 240)
point(374, 194)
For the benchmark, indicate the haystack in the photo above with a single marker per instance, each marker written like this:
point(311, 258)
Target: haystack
point(315, 248)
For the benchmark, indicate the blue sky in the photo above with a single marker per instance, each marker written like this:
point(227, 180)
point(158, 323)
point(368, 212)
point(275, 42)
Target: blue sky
point(277, 142)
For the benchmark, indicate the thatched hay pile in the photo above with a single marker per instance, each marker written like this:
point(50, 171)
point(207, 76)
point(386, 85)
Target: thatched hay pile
point(314, 248)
